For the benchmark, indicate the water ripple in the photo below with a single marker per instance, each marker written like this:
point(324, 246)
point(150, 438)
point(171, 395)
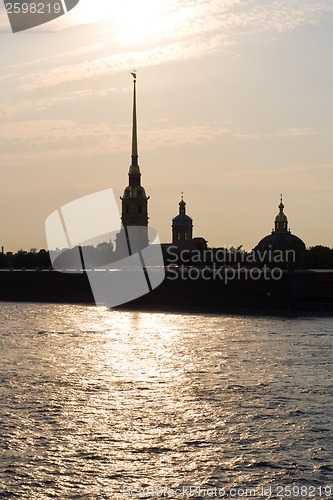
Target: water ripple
point(101, 404)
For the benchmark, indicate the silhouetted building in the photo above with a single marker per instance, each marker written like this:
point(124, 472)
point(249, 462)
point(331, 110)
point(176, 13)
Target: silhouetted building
point(182, 227)
point(281, 239)
point(134, 211)
point(182, 231)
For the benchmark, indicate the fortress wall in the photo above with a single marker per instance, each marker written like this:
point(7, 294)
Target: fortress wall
point(299, 291)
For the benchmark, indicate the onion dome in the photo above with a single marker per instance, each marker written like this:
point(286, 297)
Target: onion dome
point(182, 219)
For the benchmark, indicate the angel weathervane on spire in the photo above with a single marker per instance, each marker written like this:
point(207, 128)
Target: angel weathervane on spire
point(133, 73)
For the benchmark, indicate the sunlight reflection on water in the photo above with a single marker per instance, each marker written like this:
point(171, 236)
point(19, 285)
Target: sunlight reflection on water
point(96, 402)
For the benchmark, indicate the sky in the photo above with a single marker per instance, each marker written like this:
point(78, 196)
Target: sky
point(234, 101)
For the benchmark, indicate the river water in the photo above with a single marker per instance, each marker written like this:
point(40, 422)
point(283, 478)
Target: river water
point(99, 404)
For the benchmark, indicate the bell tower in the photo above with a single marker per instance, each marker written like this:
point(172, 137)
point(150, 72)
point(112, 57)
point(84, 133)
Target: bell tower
point(182, 227)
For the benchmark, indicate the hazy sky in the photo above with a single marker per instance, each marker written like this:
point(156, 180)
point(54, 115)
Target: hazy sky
point(234, 107)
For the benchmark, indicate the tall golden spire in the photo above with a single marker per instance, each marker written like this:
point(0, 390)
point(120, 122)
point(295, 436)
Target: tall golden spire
point(134, 126)
point(134, 170)
point(134, 203)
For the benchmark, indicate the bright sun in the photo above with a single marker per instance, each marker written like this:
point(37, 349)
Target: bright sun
point(131, 21)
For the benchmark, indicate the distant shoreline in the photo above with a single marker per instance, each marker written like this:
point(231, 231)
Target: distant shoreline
point(296, 294)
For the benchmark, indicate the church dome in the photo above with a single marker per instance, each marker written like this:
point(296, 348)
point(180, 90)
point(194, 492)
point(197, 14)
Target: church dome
point(182, 219)
point(281, 242)
point(281, 239)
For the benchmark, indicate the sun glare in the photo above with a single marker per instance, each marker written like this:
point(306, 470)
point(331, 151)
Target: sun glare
point(138, 21)
point(130, 21)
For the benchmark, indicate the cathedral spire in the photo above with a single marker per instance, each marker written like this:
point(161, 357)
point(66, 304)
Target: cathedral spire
point(134, 125)
point(134, 170)
point(134, 201)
